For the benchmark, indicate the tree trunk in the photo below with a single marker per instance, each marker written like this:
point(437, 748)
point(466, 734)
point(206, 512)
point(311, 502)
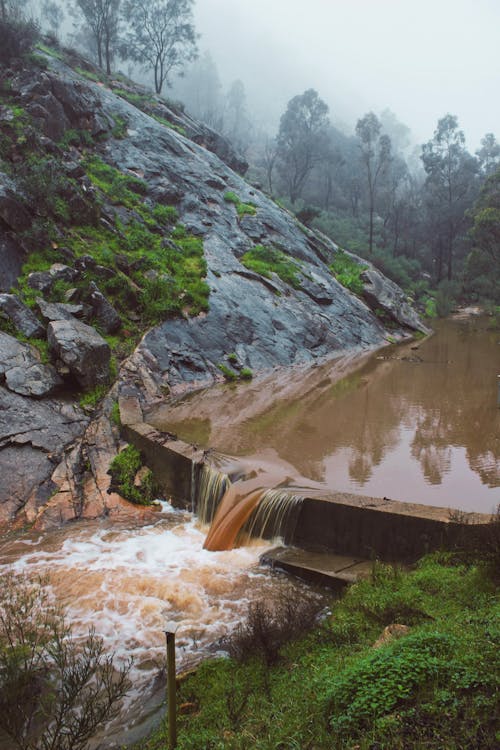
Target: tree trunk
point(372, 208)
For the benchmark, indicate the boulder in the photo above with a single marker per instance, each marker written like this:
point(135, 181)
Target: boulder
point(21, 316)
point(82, 350)
point(22, 371)
point(58, 310)
point(381, 293)
point(11, 261)
point(103, 310)
point(36, 380)
point(12, 212)
point(40, 280)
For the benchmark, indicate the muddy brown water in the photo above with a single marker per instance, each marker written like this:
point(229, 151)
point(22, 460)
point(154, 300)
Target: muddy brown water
point(417, 422)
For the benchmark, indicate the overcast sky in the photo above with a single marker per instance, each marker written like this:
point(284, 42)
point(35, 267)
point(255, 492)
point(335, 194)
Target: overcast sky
point(421, 59)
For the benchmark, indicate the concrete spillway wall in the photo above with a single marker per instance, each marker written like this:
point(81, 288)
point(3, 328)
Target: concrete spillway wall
point(338, 522)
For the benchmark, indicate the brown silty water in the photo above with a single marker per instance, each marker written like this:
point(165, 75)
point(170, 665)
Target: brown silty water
point(418, 422)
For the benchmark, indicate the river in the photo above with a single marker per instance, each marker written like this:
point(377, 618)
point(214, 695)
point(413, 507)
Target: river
point(417, 422)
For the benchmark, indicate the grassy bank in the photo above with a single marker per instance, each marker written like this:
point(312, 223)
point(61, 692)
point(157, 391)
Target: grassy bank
point(435, 686)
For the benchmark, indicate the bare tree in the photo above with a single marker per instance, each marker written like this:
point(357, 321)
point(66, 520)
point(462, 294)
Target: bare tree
point(161, 36)
point(102, 18)
point(54, 691)
point(375, 155)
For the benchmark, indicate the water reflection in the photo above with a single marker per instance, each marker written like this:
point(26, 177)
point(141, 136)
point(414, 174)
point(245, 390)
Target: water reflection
point(416, 424)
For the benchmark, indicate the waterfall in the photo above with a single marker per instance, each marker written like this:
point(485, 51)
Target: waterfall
point(209, 488)
point(275, 515)
point(257, 511)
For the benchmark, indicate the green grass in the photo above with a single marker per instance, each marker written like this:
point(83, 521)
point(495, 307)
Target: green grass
point(172, 126)
point(241, 207)
point(123, 469)
point(267, 260)
point(347, 272)
point(435, 687)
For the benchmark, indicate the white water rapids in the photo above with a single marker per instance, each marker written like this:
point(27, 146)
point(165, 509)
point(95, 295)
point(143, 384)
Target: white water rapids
point(127, 582)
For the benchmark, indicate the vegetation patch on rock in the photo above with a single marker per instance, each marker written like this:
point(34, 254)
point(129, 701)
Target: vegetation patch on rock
point(266, 260)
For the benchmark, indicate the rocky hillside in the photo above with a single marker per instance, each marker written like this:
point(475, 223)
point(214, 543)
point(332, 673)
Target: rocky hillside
point(120, 216)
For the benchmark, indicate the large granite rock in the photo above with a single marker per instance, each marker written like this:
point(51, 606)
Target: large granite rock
point(82, 350)
point(382, 293)
point(12, 258)
point(33, 438)
point(21, 369)
point(103, 311)
point(12, 211)
point(21, 316)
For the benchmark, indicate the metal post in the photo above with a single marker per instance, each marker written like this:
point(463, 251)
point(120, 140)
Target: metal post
point(171, 691)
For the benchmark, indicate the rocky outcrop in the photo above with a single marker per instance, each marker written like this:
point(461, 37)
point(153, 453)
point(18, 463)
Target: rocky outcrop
point(82, 350)
point(13, 214)
point(381, 293)
point(21, 369)
point(49, 453)
point(33, 438)
point(21, 316)
point(12, 258)
point(103, 310)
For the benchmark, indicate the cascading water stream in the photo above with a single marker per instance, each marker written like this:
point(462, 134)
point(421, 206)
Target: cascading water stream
point(244, 510)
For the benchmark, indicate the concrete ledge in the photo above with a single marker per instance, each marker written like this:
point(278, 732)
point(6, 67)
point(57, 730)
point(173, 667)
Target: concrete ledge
point(356, 525)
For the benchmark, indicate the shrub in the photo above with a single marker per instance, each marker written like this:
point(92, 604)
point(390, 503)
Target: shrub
point(18, 38)
point(54, 691)
point(267, 260)
point(241, 208)
point(269, 626)
point(347, 271)
point(123, 470)
point(229, 374)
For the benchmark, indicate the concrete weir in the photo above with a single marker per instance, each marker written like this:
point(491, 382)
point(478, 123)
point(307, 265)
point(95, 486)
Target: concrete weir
point(334, 522)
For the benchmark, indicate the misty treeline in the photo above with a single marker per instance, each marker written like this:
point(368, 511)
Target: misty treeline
point(156, 36)
point(428, 216)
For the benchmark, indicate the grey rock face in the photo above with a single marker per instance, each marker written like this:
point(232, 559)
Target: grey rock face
point(11, 261)
point(382, 293)
point(58, 310)
point(82, 349)
point(36, 380)
point(103, 310)
point(33, 435)
point(21, 316)
point(12, 212)
point(22, 371)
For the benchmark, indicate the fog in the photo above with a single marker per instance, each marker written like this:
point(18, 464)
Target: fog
point(420, 59)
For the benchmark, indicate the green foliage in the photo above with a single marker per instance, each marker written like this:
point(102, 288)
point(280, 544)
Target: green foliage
point(232, 357)
point(241, 207)
point(434, 687)
point(51, 51)
point(165, 214)
point(229, 374)
point(119, 130)
point(171, 125)
point(74, 137)
point(97, 77)
point(122, 189)
point(246, 373)
point(267, 260)
point(115, 414)
point(55, 690)
point(348, 272)
point(92, 398)
point(123, 470)
point(141, 101)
